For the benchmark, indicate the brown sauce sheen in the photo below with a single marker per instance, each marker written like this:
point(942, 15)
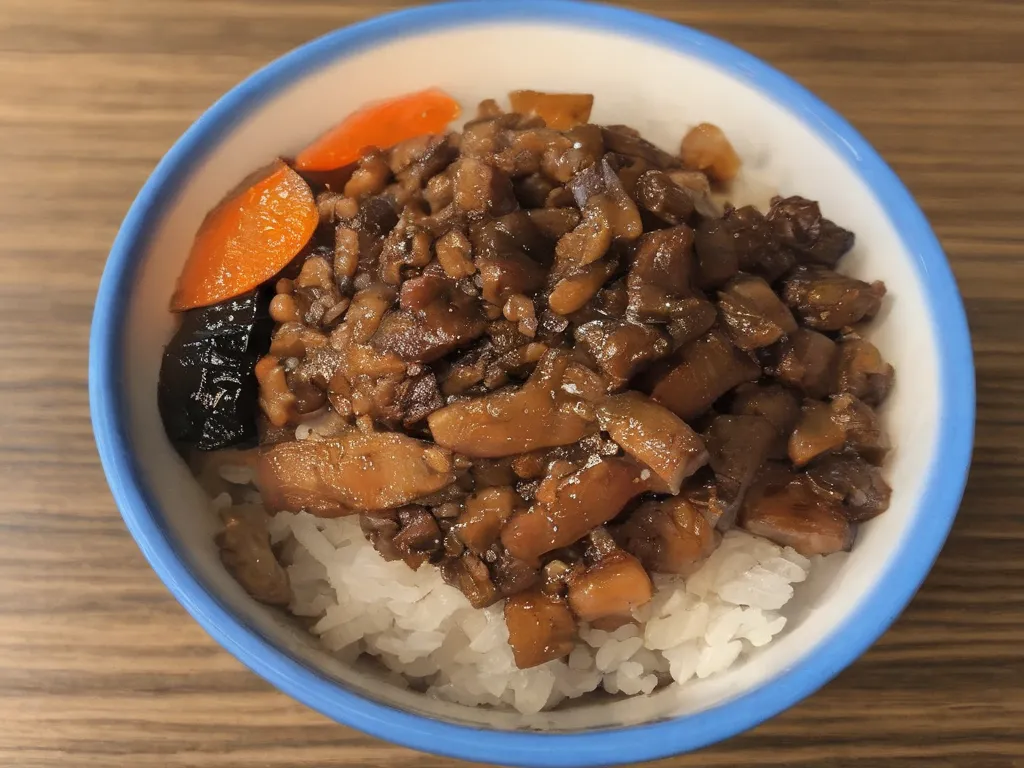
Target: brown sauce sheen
point(555, 366)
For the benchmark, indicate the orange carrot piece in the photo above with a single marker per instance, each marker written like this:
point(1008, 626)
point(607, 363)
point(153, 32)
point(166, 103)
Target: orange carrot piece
point(248, 238)
point(560, 111)
point(381, 125)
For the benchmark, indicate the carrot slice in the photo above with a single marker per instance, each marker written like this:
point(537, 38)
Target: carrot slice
point(380, 125)
point(248, 238)
point(560, 111)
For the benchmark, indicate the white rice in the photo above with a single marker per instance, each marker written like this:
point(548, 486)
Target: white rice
point(425, 630)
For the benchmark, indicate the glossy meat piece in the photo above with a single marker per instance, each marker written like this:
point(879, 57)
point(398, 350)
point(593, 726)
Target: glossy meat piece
point(480, 189)
point(660, 273)
point(799, 226)
point(849, 480)
point(654, 436)
point(621, 349)
point(553, 223)
point(419, 397)
point(785, 510)
point(537, 415)
point(599, 188)
point(581, 501)
point(572, 293)
point(861, 371)
point(435, 318)
point(806, 361)
point(737, 448)
point(354, 472)
point(742, 238)
point(377, 217)
point(469, 574)
point(510, 575)
point(614, 585)
point(668, 536)
point(754, 316)
point(627, 141)
point(701, 372)
point(244, 547)
point(705, 148)
point(864, 433)
point(691, 318)
point(816, 433)
point(827, 301)
point(207, 392)
point(486, 511)
point(418, 538)
point(657, 193)
point(778, 405)
point(540, 628)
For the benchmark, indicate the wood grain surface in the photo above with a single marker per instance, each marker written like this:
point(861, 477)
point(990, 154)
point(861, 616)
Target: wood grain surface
point(98, 664)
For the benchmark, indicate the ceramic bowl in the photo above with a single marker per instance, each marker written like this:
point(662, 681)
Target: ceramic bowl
point(660, 78)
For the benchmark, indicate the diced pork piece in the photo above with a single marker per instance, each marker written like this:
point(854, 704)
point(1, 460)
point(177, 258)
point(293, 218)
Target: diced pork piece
point(861, 371)
point(668, 536)
point(785, 510)
point(701, 372)
point(581, 501)
point(806, 361)
point(827, 301)
point(737, 448)
point(848, 479)
point(800, 227)
point(541, 628)
point(654, 436)
point(537, 415)
point(754, 316)
point(354, 472)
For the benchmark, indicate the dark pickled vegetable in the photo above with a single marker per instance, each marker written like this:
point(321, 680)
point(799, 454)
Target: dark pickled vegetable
point(208, 395)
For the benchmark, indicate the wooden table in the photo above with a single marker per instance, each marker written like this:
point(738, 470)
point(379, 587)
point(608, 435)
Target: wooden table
point(100, 667)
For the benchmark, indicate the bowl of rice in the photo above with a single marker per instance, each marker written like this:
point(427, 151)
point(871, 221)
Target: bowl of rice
point(399, 653)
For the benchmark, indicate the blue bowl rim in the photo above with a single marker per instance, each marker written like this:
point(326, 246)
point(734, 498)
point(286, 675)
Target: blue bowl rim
point(544, 750)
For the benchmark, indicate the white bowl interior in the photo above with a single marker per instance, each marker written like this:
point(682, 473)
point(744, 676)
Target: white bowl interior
point(777, 147)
